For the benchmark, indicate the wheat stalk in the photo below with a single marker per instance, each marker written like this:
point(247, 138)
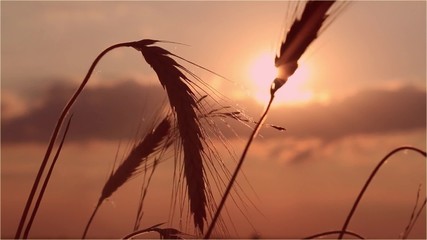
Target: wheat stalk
point(194, 149)
point(54, 136)
point(178, 87)
point(318, 235)
point(144, 190)
point(414, 215)
point(131, 165)
point(371, 177)
point(46, 181)
point(299, 37)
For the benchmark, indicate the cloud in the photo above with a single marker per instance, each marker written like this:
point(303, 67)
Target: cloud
point(367, 112)
point(102, 112)
point(372, 120)
point(114, 112)
point(11, 105)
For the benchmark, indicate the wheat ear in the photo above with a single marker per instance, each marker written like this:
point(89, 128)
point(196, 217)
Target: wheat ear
point(299, 37)
point(184, 105)
point(301, 34)
point(131, 165)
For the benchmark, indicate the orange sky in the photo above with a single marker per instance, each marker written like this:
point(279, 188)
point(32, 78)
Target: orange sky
point(365, 75)
point(370, 44)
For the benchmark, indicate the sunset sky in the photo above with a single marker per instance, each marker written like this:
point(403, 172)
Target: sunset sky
point(359, 93)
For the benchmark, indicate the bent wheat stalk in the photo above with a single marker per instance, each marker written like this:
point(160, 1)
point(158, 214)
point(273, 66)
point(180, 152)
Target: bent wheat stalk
point(57, 128)
point(131, 165)
point(49, 173)
point(54, 137)
point(374, 172)
point(334, 232)
point(302, 33)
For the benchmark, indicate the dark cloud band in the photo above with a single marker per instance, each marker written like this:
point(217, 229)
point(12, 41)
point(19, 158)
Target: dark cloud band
point(115, 112)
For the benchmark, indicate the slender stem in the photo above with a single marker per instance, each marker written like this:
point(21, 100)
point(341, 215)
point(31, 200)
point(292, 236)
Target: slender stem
point(55, 134)
point(239, 165)
point(356, 203)
point(405, 236)
point(412, 213)
point(136, 233)
point(43, 189)
point(333, 232)
point(90, 219)
point(133, 234)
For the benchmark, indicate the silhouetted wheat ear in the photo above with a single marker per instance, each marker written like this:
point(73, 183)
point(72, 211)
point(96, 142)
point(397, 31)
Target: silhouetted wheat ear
point(298, 38)
point(184, 105)
point(301, 34)
point(131, 165)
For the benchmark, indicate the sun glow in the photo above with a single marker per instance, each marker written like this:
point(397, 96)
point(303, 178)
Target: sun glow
point(262, 73)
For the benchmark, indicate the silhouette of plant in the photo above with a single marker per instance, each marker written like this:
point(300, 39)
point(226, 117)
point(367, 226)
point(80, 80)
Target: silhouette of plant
point(299, 37)
point(189, 128)
point(157, 139)
point(374, 172)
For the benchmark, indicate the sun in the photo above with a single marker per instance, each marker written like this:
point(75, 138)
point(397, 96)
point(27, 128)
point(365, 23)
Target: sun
point(262, 72)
